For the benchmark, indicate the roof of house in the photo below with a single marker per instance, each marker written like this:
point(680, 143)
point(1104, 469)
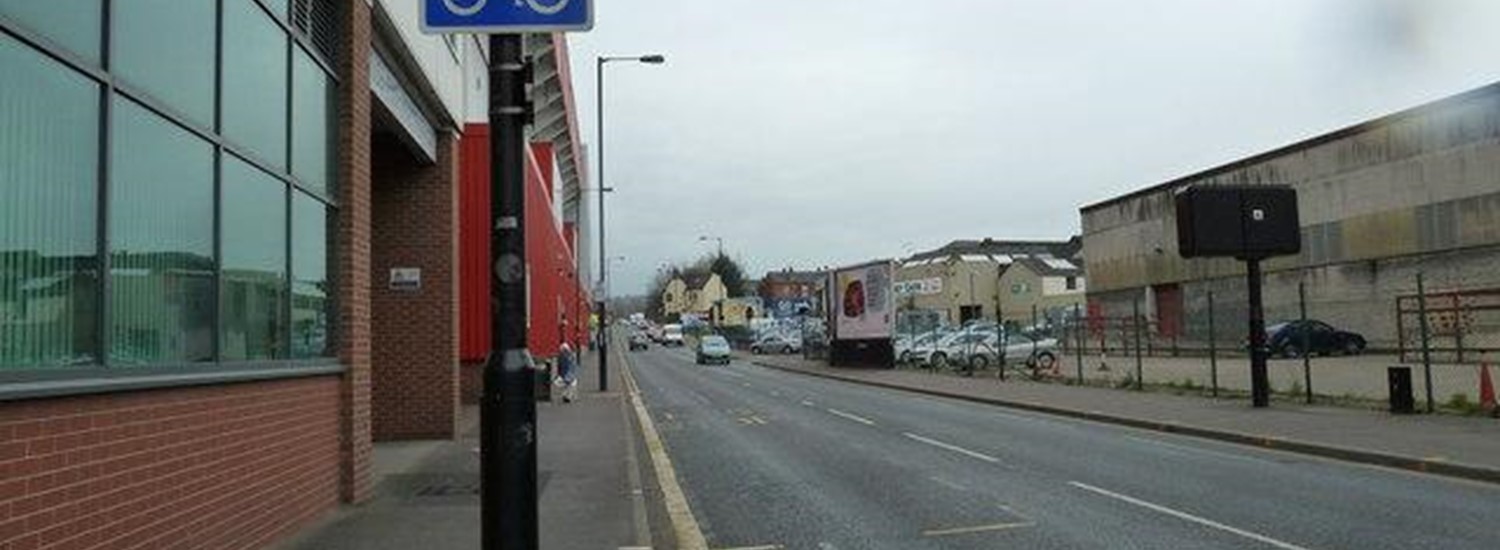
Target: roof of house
point(696, 280)
point(1426, 108)
point(1048, 266)
point(999, 250)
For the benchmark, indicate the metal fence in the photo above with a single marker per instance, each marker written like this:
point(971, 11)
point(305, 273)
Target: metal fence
point(1446, 335)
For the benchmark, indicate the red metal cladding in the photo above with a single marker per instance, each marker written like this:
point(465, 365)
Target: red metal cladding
point(474, 243)
point(555, 295)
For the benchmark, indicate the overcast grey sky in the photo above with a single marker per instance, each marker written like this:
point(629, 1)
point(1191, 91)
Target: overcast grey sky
point(810, 133)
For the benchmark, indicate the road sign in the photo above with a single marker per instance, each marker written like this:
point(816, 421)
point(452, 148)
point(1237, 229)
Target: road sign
point(506, 16)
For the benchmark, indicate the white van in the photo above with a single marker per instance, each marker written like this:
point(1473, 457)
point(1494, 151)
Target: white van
point(671, 335)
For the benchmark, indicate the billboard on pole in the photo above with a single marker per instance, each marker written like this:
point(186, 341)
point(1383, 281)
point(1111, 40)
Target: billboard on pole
point(862, 301)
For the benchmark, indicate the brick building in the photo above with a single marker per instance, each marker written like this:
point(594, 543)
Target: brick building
point(231, 258)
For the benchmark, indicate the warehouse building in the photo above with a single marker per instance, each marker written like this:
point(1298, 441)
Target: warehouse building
point(1380, 202)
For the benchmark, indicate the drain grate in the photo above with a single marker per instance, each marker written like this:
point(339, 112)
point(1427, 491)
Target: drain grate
point(448, 490)
point(445, 488)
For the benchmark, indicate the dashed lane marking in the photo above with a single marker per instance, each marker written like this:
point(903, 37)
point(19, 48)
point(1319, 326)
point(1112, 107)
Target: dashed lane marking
point(952, 447)
point(809, 403)
point(851, 416)
point(1186, 516)
point(975, 529)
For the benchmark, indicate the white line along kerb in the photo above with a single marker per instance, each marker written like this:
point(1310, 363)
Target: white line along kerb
point(1186, 516)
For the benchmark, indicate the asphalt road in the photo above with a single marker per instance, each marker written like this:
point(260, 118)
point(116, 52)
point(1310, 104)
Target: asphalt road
point(769, 459)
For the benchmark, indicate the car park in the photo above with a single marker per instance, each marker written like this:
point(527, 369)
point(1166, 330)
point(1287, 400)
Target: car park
point(713, 349)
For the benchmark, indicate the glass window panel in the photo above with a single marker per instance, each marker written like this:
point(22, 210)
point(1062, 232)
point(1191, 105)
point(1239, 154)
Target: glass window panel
point(255, 89)
point(310, 132)
point(310, 285)
point(72, 24)
point(49, 181)
point(161, 251)
point(253, 302)
point(166, 47)
point(277, 7)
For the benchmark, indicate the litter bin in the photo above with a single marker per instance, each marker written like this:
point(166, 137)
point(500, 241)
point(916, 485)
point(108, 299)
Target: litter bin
point(544, 381)
point(1399, 381)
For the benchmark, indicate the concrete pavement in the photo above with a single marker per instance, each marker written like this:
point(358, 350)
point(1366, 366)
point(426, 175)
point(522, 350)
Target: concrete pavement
point(772, 459)
point(1459, 446)
point(592, 494)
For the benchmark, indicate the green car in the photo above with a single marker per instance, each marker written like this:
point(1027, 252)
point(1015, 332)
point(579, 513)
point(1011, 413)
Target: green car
point(713, 349)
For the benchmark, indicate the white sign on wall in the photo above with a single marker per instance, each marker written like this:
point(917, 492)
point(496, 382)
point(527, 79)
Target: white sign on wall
point(406, 278)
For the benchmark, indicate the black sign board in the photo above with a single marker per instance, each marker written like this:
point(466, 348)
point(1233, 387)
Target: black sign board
point(1240, 221)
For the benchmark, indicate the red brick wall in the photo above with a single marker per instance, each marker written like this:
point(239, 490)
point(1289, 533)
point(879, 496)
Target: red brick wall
point(471, 381)
point(223, 467)
point(414, 363)
point(352, 265)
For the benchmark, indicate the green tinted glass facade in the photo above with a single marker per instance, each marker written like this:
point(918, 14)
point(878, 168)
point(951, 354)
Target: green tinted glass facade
point(49, 184)
point(166, 48)
point(310, 283)
point(253, 300)
point(255, 91)
point(165, 191)
point(73, 25)
point(161, 227)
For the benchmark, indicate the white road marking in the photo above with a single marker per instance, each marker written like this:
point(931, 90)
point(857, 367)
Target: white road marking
point(952, 447)
point(730, 373)
point(679, 513)
point(809, 403)
point(775, 393)
point(1186, 516)
point(975, 529)
point(761, 547)
point(849, 416)
point(948, 484)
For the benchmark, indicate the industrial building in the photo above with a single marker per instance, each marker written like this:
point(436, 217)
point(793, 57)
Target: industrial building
point(1415, 192)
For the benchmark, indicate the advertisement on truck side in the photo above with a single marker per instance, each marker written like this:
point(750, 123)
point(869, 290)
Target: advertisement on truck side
point(863, 302)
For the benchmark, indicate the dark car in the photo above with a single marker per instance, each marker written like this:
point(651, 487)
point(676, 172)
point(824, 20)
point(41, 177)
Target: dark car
point(639, 341)
point(1287, 339)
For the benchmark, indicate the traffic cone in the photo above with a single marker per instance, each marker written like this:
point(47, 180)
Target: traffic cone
point(1486, 389)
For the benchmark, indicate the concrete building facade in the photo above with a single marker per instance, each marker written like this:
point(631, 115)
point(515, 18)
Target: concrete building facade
point(1414, 192)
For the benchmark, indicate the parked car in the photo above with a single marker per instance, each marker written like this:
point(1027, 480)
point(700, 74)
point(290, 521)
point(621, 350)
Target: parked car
point(671, 335)
point(953, 348)
point(776, 343)
point(713, 349)
point(639, 341)
point(979, 350)
point(1287, 339)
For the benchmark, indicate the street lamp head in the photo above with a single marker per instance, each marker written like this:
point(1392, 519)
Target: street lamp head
point(654, 59)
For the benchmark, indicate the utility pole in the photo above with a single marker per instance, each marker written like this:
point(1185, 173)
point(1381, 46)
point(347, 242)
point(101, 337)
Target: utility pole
point(508, 412)
point(603, 258)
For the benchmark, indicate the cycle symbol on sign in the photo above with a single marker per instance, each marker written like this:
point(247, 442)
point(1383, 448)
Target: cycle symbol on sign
point(470, 7)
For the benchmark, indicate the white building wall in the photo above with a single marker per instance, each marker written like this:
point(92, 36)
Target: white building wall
point(440, 57)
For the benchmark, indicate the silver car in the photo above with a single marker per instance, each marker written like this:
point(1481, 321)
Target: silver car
point(713, 349)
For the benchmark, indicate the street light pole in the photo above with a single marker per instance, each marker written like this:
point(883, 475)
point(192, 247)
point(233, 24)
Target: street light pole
point(603, 257)
point(603, 264)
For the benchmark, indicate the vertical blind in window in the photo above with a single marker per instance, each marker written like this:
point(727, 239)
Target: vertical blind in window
point(49, 183)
